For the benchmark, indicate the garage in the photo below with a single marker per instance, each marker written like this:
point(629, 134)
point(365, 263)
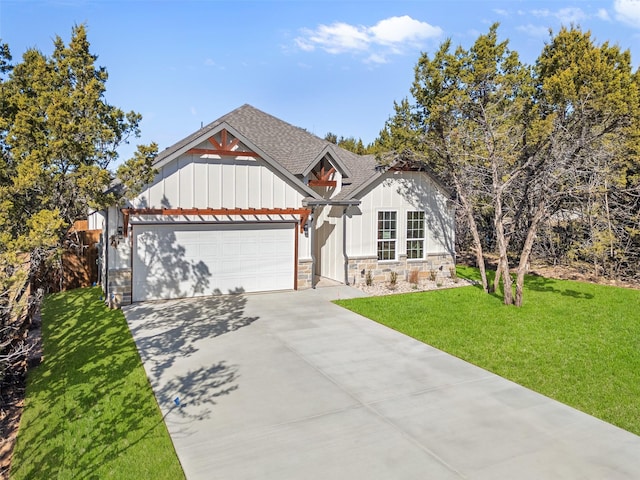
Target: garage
point(190, 260)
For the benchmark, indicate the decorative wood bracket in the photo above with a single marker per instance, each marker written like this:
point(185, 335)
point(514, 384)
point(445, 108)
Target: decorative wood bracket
point(225, 147)
point(303, 212)
point(323, 178)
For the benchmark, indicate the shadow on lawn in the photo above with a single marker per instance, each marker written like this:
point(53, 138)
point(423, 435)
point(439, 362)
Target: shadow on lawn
point(92, 406)
point(91, 400)
point(531, 282)
point(168, 331)
point(543, 284)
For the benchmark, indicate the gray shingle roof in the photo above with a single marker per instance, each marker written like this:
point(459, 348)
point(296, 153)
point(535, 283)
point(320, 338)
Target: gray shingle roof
point(293, 147)
point(363, 168)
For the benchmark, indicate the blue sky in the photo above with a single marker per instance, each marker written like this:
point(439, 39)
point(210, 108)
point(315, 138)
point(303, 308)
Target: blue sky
point(326, 66)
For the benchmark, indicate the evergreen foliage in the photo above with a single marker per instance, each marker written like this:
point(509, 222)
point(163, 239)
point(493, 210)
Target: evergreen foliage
point(546, 152)
point(58, 138)
point(348, 143)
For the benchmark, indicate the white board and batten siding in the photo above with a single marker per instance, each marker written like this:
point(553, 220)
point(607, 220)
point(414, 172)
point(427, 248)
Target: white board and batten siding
point(96, 220)
point(183, 256)
point(192, 181)
point(330, 242)
point(119, 255)
point(195, 182)
point(402, 192)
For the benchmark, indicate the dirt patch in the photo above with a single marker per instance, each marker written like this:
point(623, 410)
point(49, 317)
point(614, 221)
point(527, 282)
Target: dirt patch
point(12, 400)
point(578, 274)
point(12, 394)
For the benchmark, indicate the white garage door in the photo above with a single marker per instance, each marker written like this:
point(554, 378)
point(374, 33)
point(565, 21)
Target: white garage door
point(176, 261)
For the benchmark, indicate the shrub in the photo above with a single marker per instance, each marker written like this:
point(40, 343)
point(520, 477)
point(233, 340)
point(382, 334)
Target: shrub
point(453, 274)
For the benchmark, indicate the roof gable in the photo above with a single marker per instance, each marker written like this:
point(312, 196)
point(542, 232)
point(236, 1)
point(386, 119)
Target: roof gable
point(223, 136)
point(399, 165)
point(290, 150)
point(332, 157)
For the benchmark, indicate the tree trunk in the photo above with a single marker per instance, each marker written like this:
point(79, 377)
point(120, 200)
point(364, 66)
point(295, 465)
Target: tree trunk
point(478, 251)
point(526, 253)
point(477, 245)
point(501, 241)
point(496, 279)
point(503, 263)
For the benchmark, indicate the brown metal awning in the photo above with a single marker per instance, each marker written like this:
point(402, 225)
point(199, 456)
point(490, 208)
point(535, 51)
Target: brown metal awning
point(303, 212)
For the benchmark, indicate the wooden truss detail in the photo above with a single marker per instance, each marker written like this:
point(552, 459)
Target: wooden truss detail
point(303, 212)
point(323, 178)
point(225, 147)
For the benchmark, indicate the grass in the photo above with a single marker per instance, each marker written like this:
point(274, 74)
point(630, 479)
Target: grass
point(89, 409)
point(578, 343)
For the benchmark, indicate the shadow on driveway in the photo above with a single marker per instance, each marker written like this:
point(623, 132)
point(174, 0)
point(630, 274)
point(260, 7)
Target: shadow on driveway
point(315, 391)
point(168, 331)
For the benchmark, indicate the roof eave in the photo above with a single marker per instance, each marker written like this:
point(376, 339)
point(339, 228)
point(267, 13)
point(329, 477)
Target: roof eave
point(401, 166)
point(333, 158)
point(324, 201)
point(364, 185)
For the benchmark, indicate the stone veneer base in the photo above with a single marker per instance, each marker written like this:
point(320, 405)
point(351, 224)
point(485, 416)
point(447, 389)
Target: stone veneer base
point(435, 265)
point(305, 274)
point(119, 288)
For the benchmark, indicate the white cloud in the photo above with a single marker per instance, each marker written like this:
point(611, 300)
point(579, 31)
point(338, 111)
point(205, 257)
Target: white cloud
point(399, 30)
point(389, 36)
point(194, 112)
point(603, 15)
point(376, 58)
point(628, 11)
point(565, 15)
point(570, 15)
point(540, 13)
point(502, 12)
point(335, 38)
point(536, 31)
point(303, 44)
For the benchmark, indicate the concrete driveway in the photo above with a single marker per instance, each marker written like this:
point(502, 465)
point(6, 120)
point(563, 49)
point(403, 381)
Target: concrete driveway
point(290, 386)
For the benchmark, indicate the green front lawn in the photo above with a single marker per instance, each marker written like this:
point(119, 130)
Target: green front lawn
point(576, 342)
point(89, 410)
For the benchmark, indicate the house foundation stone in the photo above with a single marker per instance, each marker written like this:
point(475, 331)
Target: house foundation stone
point(432, 267)
point(119, 288)
point(305, 274)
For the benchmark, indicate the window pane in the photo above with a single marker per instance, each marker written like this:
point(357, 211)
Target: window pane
point(414, 249)
point(386, 250)
point(387, 234)
point(415, 234)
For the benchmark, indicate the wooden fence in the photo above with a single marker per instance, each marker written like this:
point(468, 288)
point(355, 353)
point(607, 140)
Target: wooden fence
point(79, 266)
